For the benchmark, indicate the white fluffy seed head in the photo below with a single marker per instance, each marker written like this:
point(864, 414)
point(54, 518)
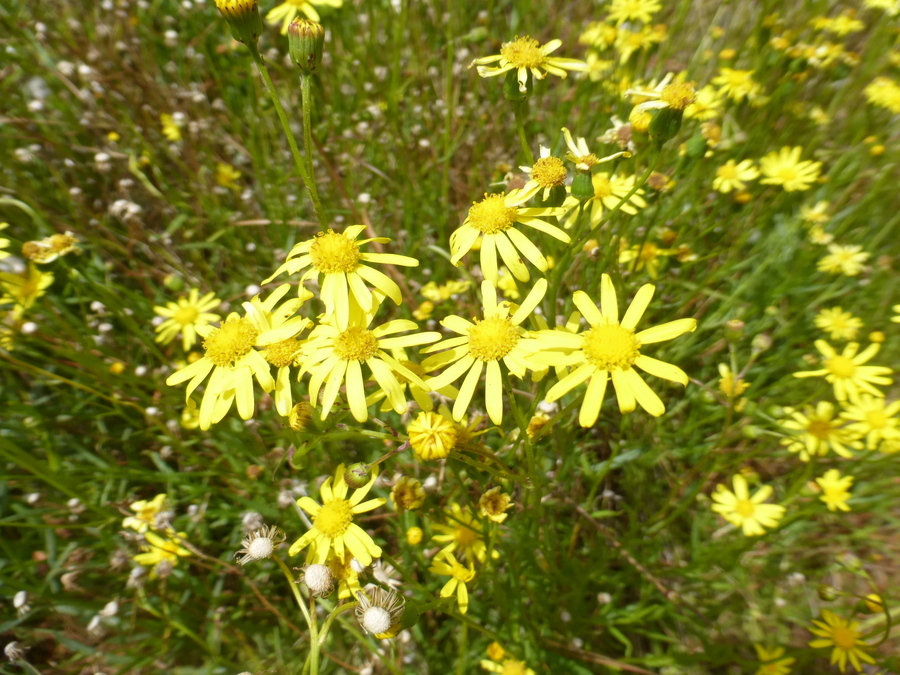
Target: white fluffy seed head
point(376, 620)
point(260, 548)
point(318, 578)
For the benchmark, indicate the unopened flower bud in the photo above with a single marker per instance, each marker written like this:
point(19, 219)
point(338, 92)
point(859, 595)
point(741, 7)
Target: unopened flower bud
point(306, 40)
point(874, 603)
point(583, 186)
point(357, 475)
point(761, 343)
point(300, 416)
point(827, 593)
point(243, 19)
point(734, 330)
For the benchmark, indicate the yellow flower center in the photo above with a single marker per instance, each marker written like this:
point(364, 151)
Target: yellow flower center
point(492, 215)
point(186, 315)
point(416, 368)
point(465, 536)
point(524, 52)
point(334, 518)
point(840, 366)
point(492, 339)
point(231, 341)
point(649, 252)
point(744, 508)
point(727, 172)
point(821, 429)
point(549, 172)
point(611, 347)
point(355, 344)
point(513, 667)
point(495, 504)
point(876, 419)
point(282, 353)
point(331, 253)
point(844, 637)
point(678, 95)
point(460, 573)
point(602, 187)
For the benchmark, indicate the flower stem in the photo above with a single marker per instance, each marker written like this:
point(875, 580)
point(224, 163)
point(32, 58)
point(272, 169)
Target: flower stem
point(289, 134)
point(519, 109)
point(522, 422)
point(306, 97)
point(308, 614)
point(331, 617)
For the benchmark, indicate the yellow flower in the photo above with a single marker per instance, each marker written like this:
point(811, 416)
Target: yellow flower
point(598, 34)
point(647, 255)
point(414, 536)
point(526, 55)
point(610, 349)
point(3, 242)
point(840, 325)
point(432, 436)
point(872, 417)
point(846, 260)
point(847, 372)
point(492, 222)
point(772, 661)
point(581, 156)
point(884, 92)
point(785, 168)
point(146, 513)
point(816, 214)
point(844, 637)
point(343, 572)
point(733, 387)
point(482, 345)
point(621, 11)
point(447, 565)
point(737, 84)
point(836, 489)
point(159, 550)
point(506, 666)
point(407, 494)
point(707, 105)
point(628, 41)
point(841, 25)
point(548, 172)
point(494, 505)
point(333, 526)
point(817, 235)
point(731, 176)
point(226, 175)
point(816, 431)
point(185, 316)
point(50, 248)
point(677, 95)
point(742, 510)
point(890, 7)
point(337, 257)
point(232, 358)
point(463, 535)
point(609, 191)
point(23, 289)
point(286, 12)
point(336, 349)
point(170, 128)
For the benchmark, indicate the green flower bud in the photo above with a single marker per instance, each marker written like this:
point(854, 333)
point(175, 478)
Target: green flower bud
point(582, 186)
point(243, 19)
point(695, 147)
point(306, 40)
point(734, 330)
point(357, 475)
point(665, 124)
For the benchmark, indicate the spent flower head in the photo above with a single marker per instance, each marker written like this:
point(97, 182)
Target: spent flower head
point(259, 544)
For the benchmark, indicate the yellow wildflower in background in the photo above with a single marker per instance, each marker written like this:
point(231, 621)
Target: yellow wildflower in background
point(846, 260)
point(494, 505)
point(816, 214)
point(50, 248)
point(884, 92)
point(146, 512)
point(874, 418)
point(23, 289)
point(847, 373)
point(524, 55)
point(843, 24)
point(579, 154)
point(835, 489)
point(170, 128)
point(815, 431)
point(286, 12)
point(333, 526)
point(621, 11)
point(647, 255)
point(707, 104)
point(548, 172)
point(227, 175)
point(785, 168)
point(773, 661)
point(462, 535)
point(184, 316)
point(610, 349)
point(733, 387)
point(492, 222)
point(407, 494)
point(481, 346)
point(159, 550)
point(446, 564)
point(344, 573)
point(431, 435)
point(844, 637)
point(336, 349)
point(732, 176)
point(677, 95)
point(337, 258)
point(742, 510)
point(506, 666)
point(840, 325)
point(736, 84)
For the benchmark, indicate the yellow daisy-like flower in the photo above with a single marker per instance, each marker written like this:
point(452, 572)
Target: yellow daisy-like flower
point(548, 172)
point(847, 372)
point(732, 176)
point(524, 55)
point(737, 84)
point(773, 661)
point(841, 25)
point(167, 549)
point(146, 513)
point(583, 158)
point(609, 191)
point(707, 104)
point(184, 316)
point(621, 11)
point(846, 260)
point(344, 573)
point(333, 526)
point(50, 248)
point(462, 535)
point(744, 511)
point(677, 95)
point(482, 345)
point(447, 565)
point(232, 358)
point(170, 128)
point(845, 639)
point(733, 387)
point(23, 289)
point(874, 418)
point(647, 255)
point(506, 666)
point(337, 257)
point(335, 351)
point(817, 214)
point(494, 504)
point(610, 349)
point(816, 431)
point(785, 168)
point(884, 92)
point(286, 12)
point(840, 325)
point(628, 42)
point(491, 222)
point(227, 175)
point(836, 489)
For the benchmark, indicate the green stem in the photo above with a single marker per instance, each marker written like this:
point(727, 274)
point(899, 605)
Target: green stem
point(306, 97)
point(295, 589)
point(289, 134)
point(331, 617)
point(533, 470)
point(313, 638)
point(519, 109)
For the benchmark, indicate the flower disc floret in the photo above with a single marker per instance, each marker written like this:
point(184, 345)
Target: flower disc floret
point(523, 52)
point(678, 95)
point(355, 344)
point(611, 346)
point(492, 339)
point(331, 252)
point(492, 215)
point(261, 548)
point(334, 518)
point(233, 340)
point(549, 172)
